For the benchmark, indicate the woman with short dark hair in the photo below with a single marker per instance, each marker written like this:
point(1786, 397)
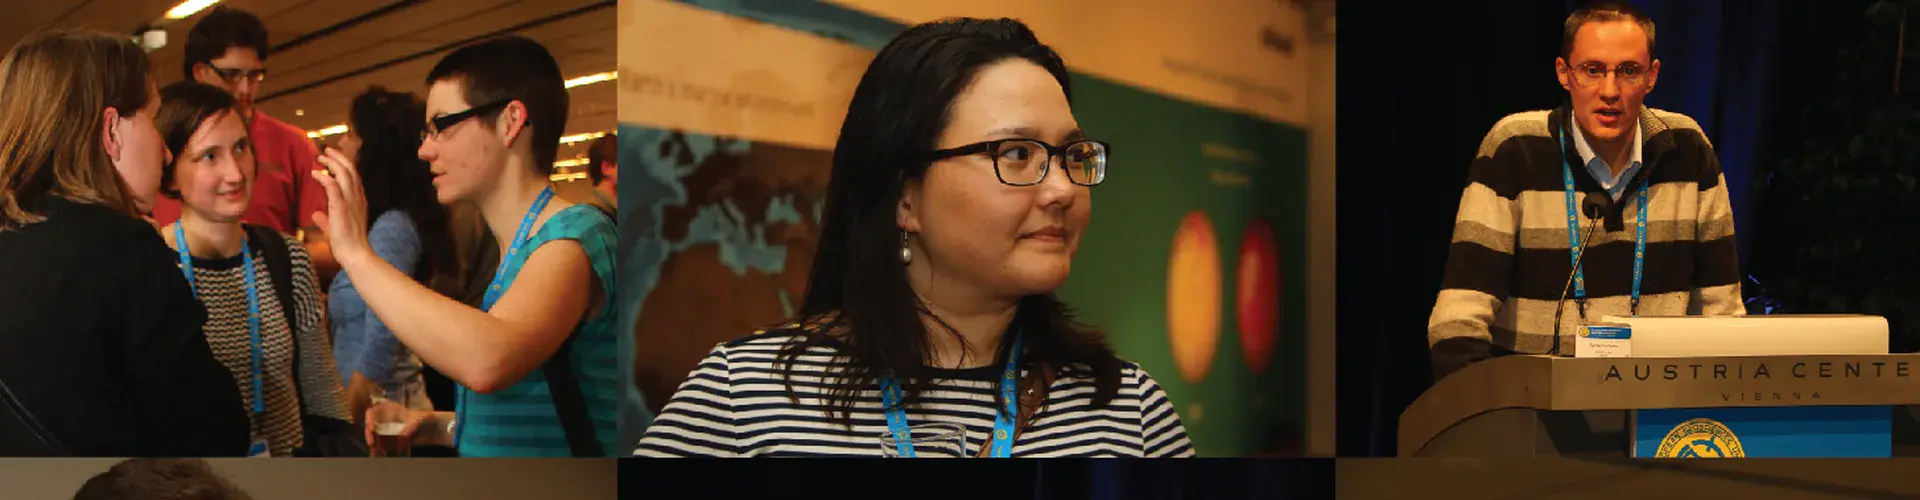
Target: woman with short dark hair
point(535, 362)
point(262, 301)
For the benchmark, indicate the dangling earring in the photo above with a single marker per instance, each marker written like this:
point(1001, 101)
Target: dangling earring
point(906, 254)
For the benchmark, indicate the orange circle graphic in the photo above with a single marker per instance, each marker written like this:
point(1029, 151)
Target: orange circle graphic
point(1193, 296)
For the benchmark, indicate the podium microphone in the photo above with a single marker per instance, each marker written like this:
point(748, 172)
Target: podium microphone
point(1590, 208)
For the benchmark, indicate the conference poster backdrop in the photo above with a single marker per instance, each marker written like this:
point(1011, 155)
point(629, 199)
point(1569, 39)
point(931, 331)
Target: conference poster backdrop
point(1194, 263)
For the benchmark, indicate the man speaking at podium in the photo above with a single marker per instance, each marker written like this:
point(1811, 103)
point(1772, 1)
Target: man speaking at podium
point(1543, 180)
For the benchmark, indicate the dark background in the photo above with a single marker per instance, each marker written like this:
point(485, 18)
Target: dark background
point(1420, 83)
point(1051, 479)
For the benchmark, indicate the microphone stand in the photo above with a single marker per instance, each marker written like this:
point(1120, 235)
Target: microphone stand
point(1592, 211)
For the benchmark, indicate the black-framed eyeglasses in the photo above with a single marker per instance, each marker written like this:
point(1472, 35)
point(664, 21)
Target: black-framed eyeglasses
point(1025, 162)
point(234, 75)
point(1590, 74)
point(441, 123)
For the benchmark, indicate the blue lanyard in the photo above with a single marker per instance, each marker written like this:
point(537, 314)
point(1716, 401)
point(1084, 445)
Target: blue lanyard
point(495, 289)
point(1573, 241)
point(253, 306)
point(1002, 423)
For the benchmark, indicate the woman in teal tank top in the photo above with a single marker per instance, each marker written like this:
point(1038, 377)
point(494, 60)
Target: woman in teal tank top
point(536, 364)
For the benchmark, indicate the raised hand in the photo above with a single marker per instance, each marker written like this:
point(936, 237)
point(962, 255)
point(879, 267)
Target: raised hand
point(345, 220)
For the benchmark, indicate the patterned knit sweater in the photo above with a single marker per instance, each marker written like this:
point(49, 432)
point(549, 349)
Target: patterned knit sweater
point(222, 288)
point(1510, 257)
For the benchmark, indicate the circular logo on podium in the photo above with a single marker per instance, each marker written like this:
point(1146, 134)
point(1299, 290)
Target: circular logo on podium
point(1700, 438)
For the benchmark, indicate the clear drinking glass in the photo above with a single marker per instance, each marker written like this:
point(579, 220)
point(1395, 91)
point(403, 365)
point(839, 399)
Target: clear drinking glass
point(389, 418)
point(937, 440)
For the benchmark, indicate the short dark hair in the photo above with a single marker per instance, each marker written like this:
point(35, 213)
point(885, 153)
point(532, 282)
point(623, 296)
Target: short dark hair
point(224, 28)
point(160, 479)
point(512, 68)
point(1603, 11)
point(604, 150)
point(184, 107)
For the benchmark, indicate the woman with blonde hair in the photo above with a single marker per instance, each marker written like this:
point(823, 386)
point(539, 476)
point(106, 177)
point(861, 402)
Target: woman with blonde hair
point(100, 345)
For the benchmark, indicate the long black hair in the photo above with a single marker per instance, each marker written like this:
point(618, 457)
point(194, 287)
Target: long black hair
point(857, 293)
point(388, 124)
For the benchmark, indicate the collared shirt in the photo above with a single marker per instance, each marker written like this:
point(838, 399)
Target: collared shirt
point(1615, 185)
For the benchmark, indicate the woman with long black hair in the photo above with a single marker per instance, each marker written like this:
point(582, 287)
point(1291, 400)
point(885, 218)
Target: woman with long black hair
point(407, 228)
point(960, 189)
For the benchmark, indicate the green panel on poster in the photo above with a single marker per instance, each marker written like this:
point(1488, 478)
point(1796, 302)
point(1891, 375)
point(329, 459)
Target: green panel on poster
point(1171, 158)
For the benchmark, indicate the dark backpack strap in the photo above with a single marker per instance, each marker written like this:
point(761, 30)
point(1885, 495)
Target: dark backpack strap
point(321, 436)
point(570, 404)
point(280, 269)
point(47, 444)
point(568, 400)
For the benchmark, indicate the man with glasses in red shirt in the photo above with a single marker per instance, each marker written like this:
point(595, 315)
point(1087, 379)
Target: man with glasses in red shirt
point(228, 49)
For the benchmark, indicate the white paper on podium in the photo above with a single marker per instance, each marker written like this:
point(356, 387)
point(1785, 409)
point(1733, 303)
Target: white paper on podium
point(1783, 334)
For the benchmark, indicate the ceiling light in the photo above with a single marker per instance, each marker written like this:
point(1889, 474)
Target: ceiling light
point(592, 79)
point(188, 8)
point(582, 137)
point(333, 130)
point(569, 170)
point(150, 38)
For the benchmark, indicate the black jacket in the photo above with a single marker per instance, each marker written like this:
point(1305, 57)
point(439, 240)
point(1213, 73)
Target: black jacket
point(100, 339)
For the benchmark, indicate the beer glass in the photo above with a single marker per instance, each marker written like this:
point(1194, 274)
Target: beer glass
point(390, 409)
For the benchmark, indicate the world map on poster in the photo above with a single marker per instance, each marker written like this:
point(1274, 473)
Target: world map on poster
point(730, 228)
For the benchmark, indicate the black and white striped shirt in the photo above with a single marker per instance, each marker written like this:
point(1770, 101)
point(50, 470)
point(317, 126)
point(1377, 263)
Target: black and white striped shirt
point(735, 404)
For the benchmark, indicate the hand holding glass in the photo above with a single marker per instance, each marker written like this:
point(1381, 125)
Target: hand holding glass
point(387, 418)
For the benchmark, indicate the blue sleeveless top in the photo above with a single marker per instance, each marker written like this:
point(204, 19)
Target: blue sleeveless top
point(520, 421)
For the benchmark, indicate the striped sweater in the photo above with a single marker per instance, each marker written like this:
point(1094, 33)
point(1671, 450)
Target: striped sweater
point(736, 404)
point(522, 420)
point(1510, 256)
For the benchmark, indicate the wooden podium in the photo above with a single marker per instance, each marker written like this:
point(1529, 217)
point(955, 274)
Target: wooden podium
point(1534, 406)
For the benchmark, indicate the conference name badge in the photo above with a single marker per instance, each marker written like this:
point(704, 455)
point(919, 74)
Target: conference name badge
point(1700, 438)
point(1603, 341)
point(259, 448)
